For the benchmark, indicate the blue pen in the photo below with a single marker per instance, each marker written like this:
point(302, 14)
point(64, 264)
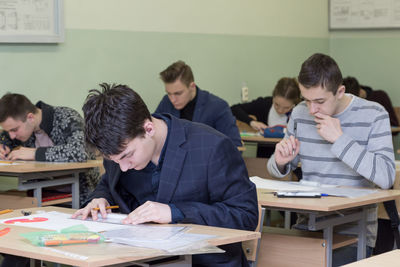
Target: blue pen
point(324, 195)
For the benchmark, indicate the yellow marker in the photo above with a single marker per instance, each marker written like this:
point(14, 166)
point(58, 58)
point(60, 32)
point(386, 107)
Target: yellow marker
point(5, 211)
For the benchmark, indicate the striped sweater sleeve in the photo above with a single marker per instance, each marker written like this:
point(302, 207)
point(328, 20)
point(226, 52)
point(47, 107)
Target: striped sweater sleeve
point(375, 161)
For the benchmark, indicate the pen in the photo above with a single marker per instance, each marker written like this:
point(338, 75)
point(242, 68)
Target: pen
point(108, 207)
point(5, 211)
point(295, 134)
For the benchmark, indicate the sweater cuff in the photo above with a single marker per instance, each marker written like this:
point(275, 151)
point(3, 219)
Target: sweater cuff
point(40, 154)
point(176, 214)
point(274, 170)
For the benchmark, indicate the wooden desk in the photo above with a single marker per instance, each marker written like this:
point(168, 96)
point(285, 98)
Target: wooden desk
point(327, 212)
point(261, 140)
point(104, 253)
point(388, 259)
point(37, 175)
point(395, 129)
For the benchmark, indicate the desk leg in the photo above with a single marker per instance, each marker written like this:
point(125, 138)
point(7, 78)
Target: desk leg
point(75, 191)
point(328, 236)
point(362, 235)
point(37, 193)
point(287, 219)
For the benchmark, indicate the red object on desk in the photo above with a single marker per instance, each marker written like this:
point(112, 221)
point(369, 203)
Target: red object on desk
point(55, 196)
point(36, 219)
point(4, 231)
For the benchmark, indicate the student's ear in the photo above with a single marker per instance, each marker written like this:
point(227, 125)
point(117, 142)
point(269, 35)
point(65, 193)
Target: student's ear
point(340, 92)
point(192, 86)
point(149, 128)
point(30, 117)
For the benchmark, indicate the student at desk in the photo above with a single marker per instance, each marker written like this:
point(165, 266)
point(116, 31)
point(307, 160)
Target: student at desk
point(270, 110)
point(187, 101)
point(339, 139)
point(166, 170)
point(44, 133)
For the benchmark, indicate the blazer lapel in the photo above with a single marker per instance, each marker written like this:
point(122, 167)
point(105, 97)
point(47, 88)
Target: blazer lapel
point(173, 162)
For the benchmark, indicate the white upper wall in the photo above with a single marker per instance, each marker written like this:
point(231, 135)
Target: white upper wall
point(292, 18)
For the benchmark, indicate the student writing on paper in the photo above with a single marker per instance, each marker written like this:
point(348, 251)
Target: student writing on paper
point(271, 110)
point(185, 100)
point(43, 133)
point(339, 139)
point(163, 169)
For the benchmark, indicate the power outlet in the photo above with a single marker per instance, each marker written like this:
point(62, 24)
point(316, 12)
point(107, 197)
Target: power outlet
point(245, 93)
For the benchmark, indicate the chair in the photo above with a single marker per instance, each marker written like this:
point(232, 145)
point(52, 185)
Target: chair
point(252, 247)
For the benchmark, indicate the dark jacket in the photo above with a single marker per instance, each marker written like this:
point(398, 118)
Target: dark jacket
point(210, 110)
point(204, 176)
point(259, 108)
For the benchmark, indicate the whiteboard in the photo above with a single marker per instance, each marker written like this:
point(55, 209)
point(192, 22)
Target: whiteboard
point(364, 14)
point(31, 21)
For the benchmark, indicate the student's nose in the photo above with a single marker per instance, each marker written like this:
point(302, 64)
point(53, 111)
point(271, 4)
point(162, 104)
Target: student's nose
point(172, 99)
point(313, 108)
point(123, 165)
point(12, 135)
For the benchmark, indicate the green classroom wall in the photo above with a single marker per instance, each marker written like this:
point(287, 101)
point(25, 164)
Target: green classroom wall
point(372, 57)
point(62, 74)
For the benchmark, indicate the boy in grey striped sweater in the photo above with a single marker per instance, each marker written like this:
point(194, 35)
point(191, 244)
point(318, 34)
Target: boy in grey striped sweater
point(339, 138)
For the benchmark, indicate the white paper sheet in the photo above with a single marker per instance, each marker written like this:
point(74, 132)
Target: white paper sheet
point(331, 190)
point(58, 221)
point(171, 239)
point(279, 185)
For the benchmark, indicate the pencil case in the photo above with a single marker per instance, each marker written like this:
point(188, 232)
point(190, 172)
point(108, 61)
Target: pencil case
point(66, 236)
point(276, 131)
point(58, 239)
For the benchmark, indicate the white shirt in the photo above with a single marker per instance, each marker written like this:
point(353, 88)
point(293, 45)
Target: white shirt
point(274, 118)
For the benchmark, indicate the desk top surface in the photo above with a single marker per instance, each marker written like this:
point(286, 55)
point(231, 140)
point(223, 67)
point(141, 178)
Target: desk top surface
point(395, 129)
point(36, 166)
point(388, 259)
point(260, 139)
point(266, 199)
point(104, 253)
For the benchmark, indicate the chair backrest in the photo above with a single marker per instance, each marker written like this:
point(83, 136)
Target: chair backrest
point(251, 247)
point(258, 167)
point(397, 112)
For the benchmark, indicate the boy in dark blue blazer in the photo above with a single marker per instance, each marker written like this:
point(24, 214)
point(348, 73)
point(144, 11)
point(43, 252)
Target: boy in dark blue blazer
point(187, 101)
point(166, 170)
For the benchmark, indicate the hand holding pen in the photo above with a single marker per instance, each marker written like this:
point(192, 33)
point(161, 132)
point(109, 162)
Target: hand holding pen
point(286, 150)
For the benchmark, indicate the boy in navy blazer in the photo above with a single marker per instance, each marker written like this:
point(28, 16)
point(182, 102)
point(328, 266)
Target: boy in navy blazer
point(187, 101)
point(166, 170)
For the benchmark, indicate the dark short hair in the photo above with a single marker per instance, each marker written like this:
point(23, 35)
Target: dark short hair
point(287, 88)
point(113, 117)
point(320, 70)
point(15, 106)
point(178, 70)
point(352, 85)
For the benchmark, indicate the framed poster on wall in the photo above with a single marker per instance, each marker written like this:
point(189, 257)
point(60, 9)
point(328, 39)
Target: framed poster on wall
point(364, 14)
point(31, 21)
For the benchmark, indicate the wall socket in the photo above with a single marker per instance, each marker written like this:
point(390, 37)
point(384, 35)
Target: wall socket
point(245, 93)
